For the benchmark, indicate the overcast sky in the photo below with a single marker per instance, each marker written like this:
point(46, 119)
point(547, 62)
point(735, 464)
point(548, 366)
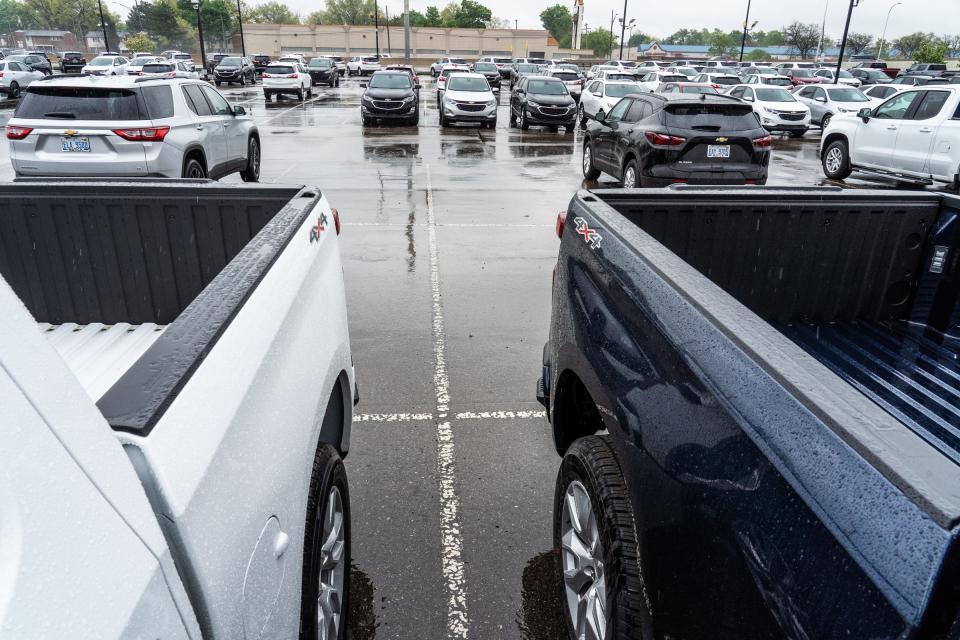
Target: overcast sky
point(657, 18)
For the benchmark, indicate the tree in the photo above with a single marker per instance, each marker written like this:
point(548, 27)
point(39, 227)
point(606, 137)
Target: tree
point(908, 45)
point(767, 38)
point(11, 15)
point(858, 43)
point(219, 19)
point(757, 55)
point(640, 38)
point(931, 52)
point(272, 12)
point(352, 12)
point(432, 17)
point(466, 14)
point(724, 44)
point(140, 42)
point(802, 37)
point(688, 36)
point(317, 17)
point(600, 41)
point(559, 22)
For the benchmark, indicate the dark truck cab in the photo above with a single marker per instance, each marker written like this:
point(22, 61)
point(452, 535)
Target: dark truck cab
point(776, 372)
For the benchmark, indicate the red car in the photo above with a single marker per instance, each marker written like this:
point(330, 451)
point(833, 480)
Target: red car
point(802, 76)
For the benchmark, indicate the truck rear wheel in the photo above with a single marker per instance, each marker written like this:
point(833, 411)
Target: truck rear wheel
point(326, 550)
point(836, 160)
point(598, 574)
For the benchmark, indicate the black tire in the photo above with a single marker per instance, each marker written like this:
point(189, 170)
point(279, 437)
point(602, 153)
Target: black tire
point(267, 95)
point(365, 120)
point(415, 120)
point(554, 129)
point(300, 94)
point(582, 116)
point(14, 91)
point(798, 134)
point(836, 160)
point(590, 171)
point(243, 80)
point(825, 121)
point(443, 120)
point(328, 474)
point(592, 463)
point(636, 175)
point(570, 126)
point(523, 119)
point(251, 173)
point(513, 118)
point(193, 168)
point(217, 82)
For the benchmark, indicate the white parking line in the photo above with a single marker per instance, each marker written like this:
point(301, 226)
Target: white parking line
point(393, 417)
point(285, 111)
point(451, 538)
point(500, 415)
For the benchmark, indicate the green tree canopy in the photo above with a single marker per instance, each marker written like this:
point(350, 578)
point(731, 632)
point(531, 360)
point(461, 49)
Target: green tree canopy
point(858, 43)
point(465, 14)
point(432, 17)
point(600, 41)
point(724, 44)
point(640, 38)
point(272, 12)
point(140, 42)
point(757, 55)
point(349, 12)
point(909, 45)
point(559, 22)
point(931, 52)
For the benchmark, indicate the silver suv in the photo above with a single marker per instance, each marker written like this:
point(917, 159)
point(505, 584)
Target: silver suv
point(129, 126)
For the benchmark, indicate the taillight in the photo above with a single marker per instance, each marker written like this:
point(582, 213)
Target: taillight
point(715, 86)
point(266, 75)
point(17, 133)
point(1, 74)
point(663, 140)
point(336, 220)
point(561, 223)
point(292, 75)
point(763, 142)
point(143, 134)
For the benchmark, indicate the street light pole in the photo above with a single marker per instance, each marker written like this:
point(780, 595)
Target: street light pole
point(376, 26)
point(243, 45)
point(612, 18)
point(406, 31)
point(623, 27)
point(883, 38)
point(386, 11)
point(843, 43)
point(103, 25)
point(203, 52)
point(746, 23)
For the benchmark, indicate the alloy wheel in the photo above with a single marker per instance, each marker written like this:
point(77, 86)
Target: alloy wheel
point(587, 158)
point(582, 561)
point(834, 160)
point(630, 178)
point(332, 569)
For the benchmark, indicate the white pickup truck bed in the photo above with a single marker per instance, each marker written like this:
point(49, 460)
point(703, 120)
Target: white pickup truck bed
point(98, 354)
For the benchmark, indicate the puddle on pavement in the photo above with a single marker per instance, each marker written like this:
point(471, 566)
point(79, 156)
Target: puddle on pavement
point(541, 614)
point(362, 616)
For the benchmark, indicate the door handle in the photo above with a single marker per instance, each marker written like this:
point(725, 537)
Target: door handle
point(926, 130)
point(891, 128)
point(199, 127)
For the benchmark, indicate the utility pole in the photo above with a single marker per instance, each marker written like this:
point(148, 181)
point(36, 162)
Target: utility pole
point(243, 45)
point(406, 31)
point(376, 26)
point(103, 25)
point(387, 12)
point(843, 43)
point(612, 18)
point(823, 29)
point(623, 27)
point(743, 41)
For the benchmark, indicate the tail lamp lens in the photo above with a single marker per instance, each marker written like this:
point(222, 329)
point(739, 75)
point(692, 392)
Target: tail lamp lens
point(144, 134)
point(17, 133)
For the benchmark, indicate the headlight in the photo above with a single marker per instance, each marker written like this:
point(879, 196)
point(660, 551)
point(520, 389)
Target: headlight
point(492, 103)
point(531, 103)
point(367, 98)
point(408, 99)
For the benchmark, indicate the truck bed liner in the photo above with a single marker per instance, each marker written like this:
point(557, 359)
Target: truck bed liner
point(99, 354)
point(913, 378)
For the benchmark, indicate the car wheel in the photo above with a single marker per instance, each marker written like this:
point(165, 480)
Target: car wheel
point(300, 93)
point(266, 96)
point(14, 91)
point(217, 82)
point(836, 160)
point(310, 91)
point(570, 126)
point(443, 119)
point(631, 175)
point(252, 171)
point(582, 117)
point(590, 171)
point(243, 81)
point(599, 573)
point(825, 121)
point(523, 119)
point(194, 169)
point(326, 550)
point(513, 118)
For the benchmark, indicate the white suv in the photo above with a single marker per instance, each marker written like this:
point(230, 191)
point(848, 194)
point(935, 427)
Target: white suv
point(363, 65)
point(453, 63)
point(912, 137)
point(287, 77)
point(131, 127)
point(15, 77)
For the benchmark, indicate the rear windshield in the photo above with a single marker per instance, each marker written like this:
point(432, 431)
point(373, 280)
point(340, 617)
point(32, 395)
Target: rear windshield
point(502, 60)
point(698, 90)
point(725, 80)
point(278, 70)
point(458, 61)
point(673, 79)
point(370, 59)
point(620, 90)
point(182, 56)
point(547, 88)
point(566, 76)
point(774, 95)
point(803, 73)
point(624, 76)
point(158, 68)
point(79, 103)
point(527, 68)
point(718, 117)
point(101, 62)
point(485, 66)
point(783, 82)
point(390, 81)
point(466, 83)
point(841, 94)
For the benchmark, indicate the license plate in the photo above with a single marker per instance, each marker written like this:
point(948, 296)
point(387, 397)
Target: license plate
point(718, 151)
point(75, 144)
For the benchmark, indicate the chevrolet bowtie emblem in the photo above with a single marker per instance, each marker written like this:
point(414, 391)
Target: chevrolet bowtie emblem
point(70, 132)
point(722, 139)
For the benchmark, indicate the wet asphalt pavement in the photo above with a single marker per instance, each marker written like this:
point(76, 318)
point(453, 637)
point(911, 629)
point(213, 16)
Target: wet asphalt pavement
point(455, 225)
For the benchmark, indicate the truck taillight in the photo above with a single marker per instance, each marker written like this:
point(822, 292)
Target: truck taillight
point(763, 142)
point(561, 223)
point(17, 133)
point(143, 134)
point(336, 220)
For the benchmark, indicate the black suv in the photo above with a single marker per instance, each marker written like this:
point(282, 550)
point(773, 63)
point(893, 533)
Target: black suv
point(653, 140)
point(35, 61)
point(213, 60)
point(542, 100)
point(490, 72)
point(324, 71)
point(390, 95)
point(72, 62)
point(260, 62)
point(235, 69)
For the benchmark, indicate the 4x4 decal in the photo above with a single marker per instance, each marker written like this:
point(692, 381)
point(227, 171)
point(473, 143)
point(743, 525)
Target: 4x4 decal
point(590, 236)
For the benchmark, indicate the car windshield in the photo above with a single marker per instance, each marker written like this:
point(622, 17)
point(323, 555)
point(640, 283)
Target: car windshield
point(803, 73)
point(527, 68)
point(566, 76)
point(619, 76)
point(628, 65)
point(370, 59)
point(390, 81)
point(571, 67)
point(182, 56)
point(845, 74)
point(874, 74)
point(847, 94)
point(467, 83)
point(774, 95)
point(687, 71)
point(101, 62)
point(714, 117)
point(547, 88)
point(157, 68)
point(619, 90)
point(277, 70)
point(502, 60)
point(725, 80)
point(485, 66)
point(230, 62)
point(675, 78)
point(765, 71)
point(78, 103)
point(458, 61)
point(321, 63)
point(783, 82)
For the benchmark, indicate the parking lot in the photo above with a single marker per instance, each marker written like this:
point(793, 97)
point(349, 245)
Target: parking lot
point(448, 246)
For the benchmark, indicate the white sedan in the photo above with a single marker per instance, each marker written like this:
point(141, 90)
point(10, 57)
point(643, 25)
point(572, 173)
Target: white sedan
point(600, 96)
point(777, 109)
point(14, 76)
point(107, 66)
point(136, 65)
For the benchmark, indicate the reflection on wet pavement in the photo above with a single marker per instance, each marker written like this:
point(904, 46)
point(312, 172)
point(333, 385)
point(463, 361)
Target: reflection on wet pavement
point(541, 614)
point(362, 617)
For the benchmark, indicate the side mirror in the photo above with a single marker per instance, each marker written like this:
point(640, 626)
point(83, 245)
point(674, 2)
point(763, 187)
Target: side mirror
point(821, 99)
point(747, 99)
point(239, 111)
point(364, 85)
point(601, 117)
point(864, 114)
